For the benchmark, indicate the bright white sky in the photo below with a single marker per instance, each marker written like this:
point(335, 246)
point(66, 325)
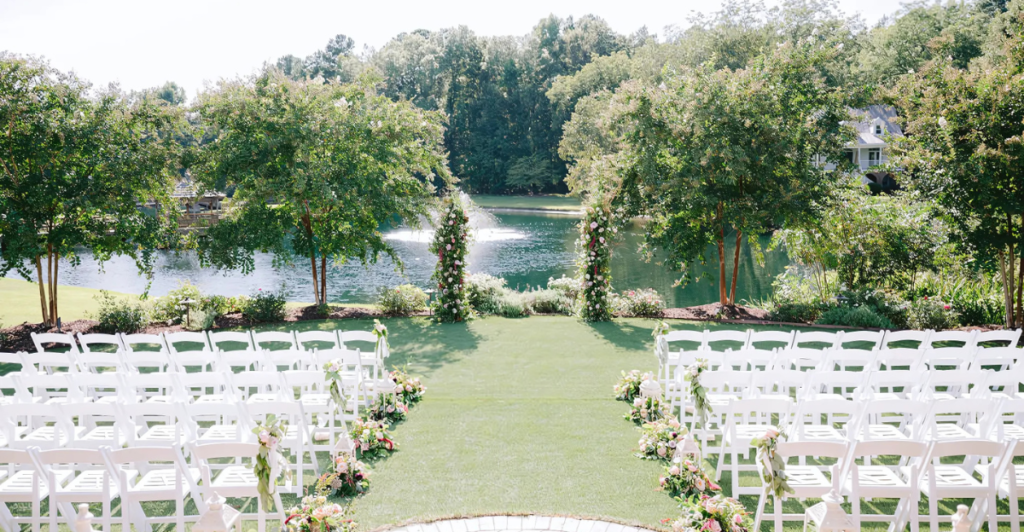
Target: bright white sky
point(143, 43)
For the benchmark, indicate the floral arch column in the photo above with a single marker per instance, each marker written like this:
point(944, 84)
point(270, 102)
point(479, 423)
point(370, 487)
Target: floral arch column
point(451, 241)
point(594, 262)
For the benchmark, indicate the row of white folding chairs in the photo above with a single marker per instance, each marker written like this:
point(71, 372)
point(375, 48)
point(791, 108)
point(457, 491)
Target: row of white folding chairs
point(161, 361)
point(248, 386)
point(134, 475)
point(926, 384)
point(213, 341)
point(85, 425)
point(909, 469)
point(837, 420)
point(749, 341)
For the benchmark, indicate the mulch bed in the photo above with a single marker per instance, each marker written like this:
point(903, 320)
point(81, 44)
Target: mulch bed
point(716, 311)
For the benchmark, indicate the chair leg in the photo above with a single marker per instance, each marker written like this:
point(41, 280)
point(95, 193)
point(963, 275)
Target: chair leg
point(855, 510)
point(933, 514)
point(915, 513)
point(179, 513)
point(778, 513)
point(993, 513)
point(759, 514)
point(1014, 511)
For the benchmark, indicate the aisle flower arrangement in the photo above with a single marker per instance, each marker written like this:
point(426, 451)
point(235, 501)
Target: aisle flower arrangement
point(451, 240)
point(372, 439)
point(315, 514)
point(659, 439)
point(647, 410)
point(381, 332)
point(388, 408)
point(332, 374)
point(712, 514)
point(687, 479)
point(700, 398)
point(349, 478)
point(628, 387)
point(772, 466)
point(412, 389)
point(593, 250)
point(269, 435)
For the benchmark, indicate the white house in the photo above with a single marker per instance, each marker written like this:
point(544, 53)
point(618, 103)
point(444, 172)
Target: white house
point(874, 125)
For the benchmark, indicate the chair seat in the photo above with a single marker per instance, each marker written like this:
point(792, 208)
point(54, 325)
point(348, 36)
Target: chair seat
point(1013, 431)
point(88, 487)
point(315, 399)
point(745, 433)
point(18, 487)
point(722, 399)
point(211, 398)
point(263, 398)
point(46, 436)
point(160, 482)
point(103, 434)
point(949, 431)
point(884, 432)
point(234, 481)
point(161, 433)
point(949, 477)
point(818, 433)
point(875, 480)
point(806, 478)
point(221, 433)
point(107, 399)
point(1004, 484)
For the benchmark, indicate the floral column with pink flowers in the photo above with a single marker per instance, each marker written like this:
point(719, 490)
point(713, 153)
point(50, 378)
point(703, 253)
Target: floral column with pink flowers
point(451, 241)
point(594, 254)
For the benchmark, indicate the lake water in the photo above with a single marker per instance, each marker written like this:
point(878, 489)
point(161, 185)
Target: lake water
point(526, 248)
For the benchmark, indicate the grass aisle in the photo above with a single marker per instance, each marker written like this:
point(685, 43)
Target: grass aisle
point(518, 417)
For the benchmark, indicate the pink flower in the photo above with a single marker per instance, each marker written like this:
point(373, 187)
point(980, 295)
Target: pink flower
point(674, 470)
point(945, 307)
point(926, 298)
point(738, 519)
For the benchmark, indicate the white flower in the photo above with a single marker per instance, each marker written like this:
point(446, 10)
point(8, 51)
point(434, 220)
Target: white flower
point(593, 225)
point(264, 437)
point(449, 247)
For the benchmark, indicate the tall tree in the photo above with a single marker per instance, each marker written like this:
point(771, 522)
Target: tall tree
point(318, 167)
point(73, 169)
point(963, 149)
point(717, 152)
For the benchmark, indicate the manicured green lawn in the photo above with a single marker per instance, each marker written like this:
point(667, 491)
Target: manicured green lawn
point(21, 302)
point(547, 203)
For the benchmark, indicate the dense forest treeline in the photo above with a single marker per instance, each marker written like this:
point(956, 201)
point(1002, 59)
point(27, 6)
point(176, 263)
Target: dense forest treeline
point(507, 98)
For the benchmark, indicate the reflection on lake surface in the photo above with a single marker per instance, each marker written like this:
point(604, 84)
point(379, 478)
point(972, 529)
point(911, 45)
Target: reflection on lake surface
point(523, 247)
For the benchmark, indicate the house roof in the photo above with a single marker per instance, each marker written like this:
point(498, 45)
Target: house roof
point(868, 117)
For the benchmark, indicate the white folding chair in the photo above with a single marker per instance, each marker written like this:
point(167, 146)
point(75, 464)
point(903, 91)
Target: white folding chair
point(62, 342)
point(98, 425)
point(298, 437)
point(309, 388)
point(949, 384)
point(906, 338)
point(824, 419)
point(89, 480)
point(281, 349)
point(146, 351)
point(886, 480)
point(102, 387)
point(948, 358)
point(984, 338)
point(51, 389)
point(900, 359)
point(109, 343)
point(777, 340)
point(231, 341)
point(150, 387)
point(746, 419)
point(806, 481)
point(947, 481)
point(891, 384)
point(186, 342)
point(852, 360)
point(153, 474)
point(49, 362)
point(310, 340)
point(1009, 478)
point(233, 481)
point(25, 483)
point(749, 359)
point(156, 424)
point(257, 386)
point(951, 339)
point(41, 425)
point(892, 419)
point(786, 383)
point(959, 419)
point(688, 345)
point(815, 340)
point(240, 361)
point(721, 388)
point(207, 387)
point(863, 340)
point(726, 339)
point(1003, 358)
point(217, 422)
point(803, 359)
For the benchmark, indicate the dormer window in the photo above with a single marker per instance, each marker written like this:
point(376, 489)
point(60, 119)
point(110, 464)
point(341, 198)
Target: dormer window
point(878, 129)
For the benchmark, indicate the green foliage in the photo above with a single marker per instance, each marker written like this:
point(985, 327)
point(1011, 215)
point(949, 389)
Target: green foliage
point(450, 244)
point(962, 150)
point(318, 167)
point(797, 312)
point(201, 320)
point(550, 301)
point(888, 305)
point(757, 167)
point(264, 306)
point(120, 315)
point(402, 300)
point(932, 313)
point(643, 303)
point(593, 259)
point(512, 304)
point(221, 305)
point(170, 309)
point(862, 316)
point(568, 286)
point(73, 164)
point(483, 292)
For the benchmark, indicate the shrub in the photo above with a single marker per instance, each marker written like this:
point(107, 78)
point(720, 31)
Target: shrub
point(512, 304)
point(200, 320)
point(484, 292)
point(568, 286)
point(890, 306)
point(118, 314)
point(169, 308)
point(643, 303)
point(548, 301)
point(932, 313)
point(264, 306)
point(979, 311)
point(860, 317)
point(221, 305)
point(796, 312)
point(402, 300)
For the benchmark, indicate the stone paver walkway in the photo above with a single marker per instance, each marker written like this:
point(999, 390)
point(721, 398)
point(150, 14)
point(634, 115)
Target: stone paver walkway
point(528, 523)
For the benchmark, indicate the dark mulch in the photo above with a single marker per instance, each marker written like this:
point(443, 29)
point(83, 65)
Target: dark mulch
point(716, 311)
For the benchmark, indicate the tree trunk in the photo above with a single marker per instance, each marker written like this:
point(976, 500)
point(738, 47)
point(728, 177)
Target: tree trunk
point(54, 314)
point(1019, 315)
point(1007, 294)
point(323, 280)
point(735, 268)
point(42, 291)
point(316, 288)
point(721, 258)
